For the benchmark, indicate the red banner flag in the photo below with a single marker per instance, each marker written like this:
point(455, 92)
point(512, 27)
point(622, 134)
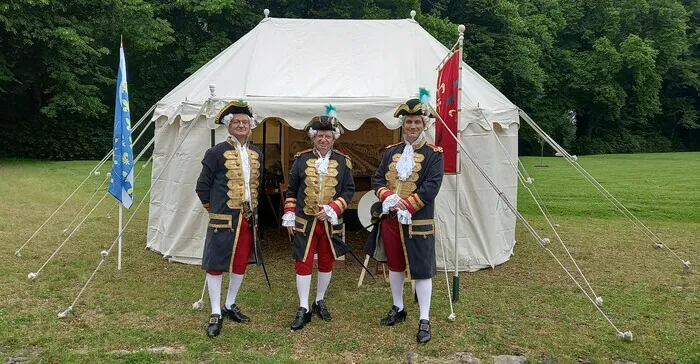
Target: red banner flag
point(446, 99)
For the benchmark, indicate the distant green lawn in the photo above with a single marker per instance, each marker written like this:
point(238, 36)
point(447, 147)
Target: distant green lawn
point(527, 306)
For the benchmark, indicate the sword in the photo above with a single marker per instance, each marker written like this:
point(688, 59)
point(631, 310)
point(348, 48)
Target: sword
point(254, 219)
point(358, 260)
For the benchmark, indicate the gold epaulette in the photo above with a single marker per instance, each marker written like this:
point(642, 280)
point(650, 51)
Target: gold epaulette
point(435, 148)
point(302, 152)
point(341, 153)
point(393, 145)
point(348, 161)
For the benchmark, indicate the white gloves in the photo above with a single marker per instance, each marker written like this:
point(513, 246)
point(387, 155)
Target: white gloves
point(288, 219)
point(391, 201)
point(332, 216)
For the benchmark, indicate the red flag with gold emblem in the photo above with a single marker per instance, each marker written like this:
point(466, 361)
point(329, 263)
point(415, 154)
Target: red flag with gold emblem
point(446, 100)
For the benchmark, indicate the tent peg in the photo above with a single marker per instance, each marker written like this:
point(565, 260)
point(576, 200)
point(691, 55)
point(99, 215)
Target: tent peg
point(626, 336)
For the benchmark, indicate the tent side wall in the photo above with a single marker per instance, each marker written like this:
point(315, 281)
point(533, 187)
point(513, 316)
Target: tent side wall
point(487, 235)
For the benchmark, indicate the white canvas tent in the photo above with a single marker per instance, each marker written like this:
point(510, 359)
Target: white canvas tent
point(291, 68)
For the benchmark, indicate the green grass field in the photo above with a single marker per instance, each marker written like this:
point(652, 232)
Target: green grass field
point(527, 306)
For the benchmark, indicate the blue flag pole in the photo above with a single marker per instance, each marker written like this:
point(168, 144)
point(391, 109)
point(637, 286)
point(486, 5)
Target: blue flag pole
point(122, 175)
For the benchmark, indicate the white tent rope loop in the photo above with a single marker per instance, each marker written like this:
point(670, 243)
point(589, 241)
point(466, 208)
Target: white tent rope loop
point(71, 234)
point(544, 213)
point(518, 215)
point(95, 168)
point(187, 131)
point(618, 205)
point(200, 304)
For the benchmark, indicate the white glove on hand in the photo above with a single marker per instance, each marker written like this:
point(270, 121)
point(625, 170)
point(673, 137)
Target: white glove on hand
point(390, 202)
point(332, 216)
point(288, 219)
point(404, 217)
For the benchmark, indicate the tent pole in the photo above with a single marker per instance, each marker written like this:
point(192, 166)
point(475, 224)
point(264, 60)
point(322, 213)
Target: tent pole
point(119, 247)
point(455, 278)
point(264, 187)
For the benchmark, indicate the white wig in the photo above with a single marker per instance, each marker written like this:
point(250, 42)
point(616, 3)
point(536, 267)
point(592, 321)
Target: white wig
point(226, 120)
point(336, 133)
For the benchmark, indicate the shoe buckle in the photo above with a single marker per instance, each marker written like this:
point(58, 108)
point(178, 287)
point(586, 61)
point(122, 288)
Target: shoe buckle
point(214, 320)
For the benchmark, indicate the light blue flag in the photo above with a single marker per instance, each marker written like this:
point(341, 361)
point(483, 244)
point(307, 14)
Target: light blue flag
point(121, 183)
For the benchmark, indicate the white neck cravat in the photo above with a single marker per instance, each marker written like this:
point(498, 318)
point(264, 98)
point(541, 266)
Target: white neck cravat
point(322, 164)
point(404, 167)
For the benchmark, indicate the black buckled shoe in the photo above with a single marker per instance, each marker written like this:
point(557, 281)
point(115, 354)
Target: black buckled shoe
point(302, 318)
point(423, 335)
point(394, 316)
point(214, 328)
point(234, 314)
point(321, 309)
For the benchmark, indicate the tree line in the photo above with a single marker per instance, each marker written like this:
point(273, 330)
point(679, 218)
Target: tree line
point(600, 76)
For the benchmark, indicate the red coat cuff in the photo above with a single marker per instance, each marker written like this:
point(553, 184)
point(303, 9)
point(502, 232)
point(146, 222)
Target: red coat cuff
point(414, 203)
point(383, 193)
point(290, 205)
point(339, 205)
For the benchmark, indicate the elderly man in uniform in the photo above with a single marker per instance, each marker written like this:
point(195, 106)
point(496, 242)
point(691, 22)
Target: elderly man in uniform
point(406, 183)
point(319, 190)
point(228, 188)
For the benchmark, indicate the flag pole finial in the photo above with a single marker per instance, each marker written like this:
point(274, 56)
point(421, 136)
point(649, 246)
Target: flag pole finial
point(121, 41)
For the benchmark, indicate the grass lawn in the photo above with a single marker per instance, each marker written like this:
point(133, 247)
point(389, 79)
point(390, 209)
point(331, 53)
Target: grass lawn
point(526, 306)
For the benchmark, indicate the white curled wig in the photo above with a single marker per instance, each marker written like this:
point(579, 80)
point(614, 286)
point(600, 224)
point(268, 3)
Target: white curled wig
point(226, 120)
point(336, 132)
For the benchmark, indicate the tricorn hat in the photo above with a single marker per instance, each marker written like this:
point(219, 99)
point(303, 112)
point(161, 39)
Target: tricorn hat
point(328, 122)
point(234, 107)
point(417, 106)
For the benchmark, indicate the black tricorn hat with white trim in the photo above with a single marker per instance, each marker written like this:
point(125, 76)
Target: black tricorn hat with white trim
point(234, 107)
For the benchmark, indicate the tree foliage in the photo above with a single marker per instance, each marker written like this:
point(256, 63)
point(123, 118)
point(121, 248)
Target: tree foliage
point(600, 76)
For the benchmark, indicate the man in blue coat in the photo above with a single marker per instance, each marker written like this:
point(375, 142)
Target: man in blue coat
point(407, 182)
point(228, 188)
point(320, 188)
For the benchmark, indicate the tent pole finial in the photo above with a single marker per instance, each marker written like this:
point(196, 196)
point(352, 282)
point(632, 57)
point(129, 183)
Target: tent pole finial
point(212, 88)
point(413, 15)
point(266, 12)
